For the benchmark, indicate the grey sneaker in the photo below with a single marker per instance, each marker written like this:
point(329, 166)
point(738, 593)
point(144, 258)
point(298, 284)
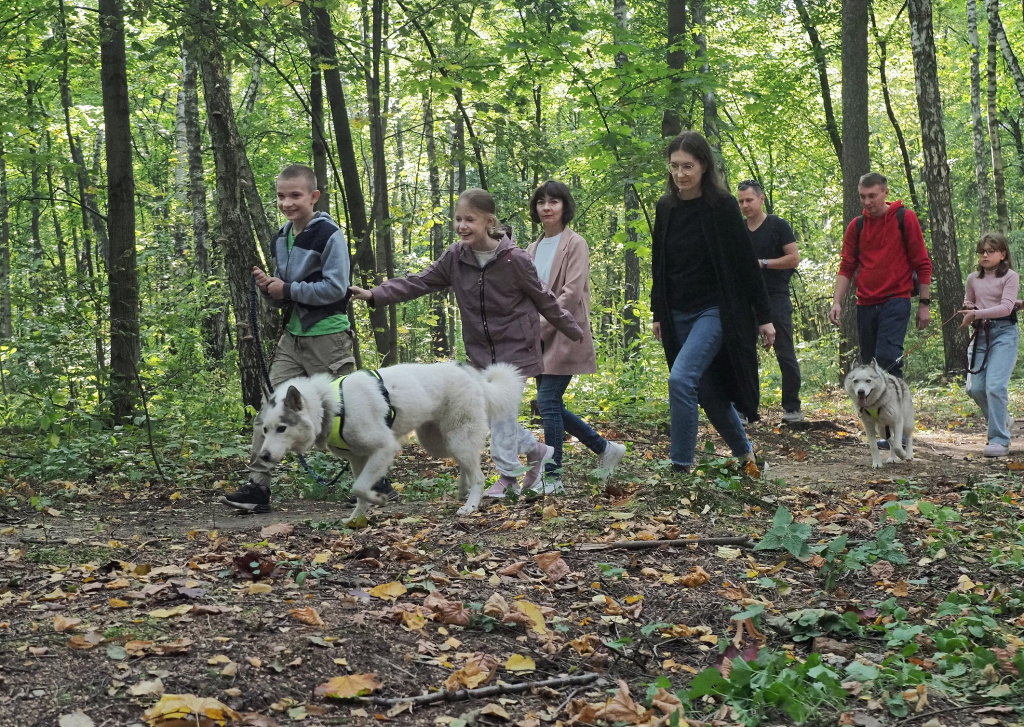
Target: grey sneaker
point(993, 449)
point(551, 486)
point(792, 417)
point(611, 456)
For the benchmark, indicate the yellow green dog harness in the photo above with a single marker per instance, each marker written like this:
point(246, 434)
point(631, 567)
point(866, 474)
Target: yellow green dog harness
point(338, 426)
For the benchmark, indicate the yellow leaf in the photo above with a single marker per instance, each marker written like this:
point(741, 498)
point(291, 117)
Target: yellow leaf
point(182, 706)
point(118, 603)
point(260, 588)
point(175, 496)
point(322, 558)
point(536, 617)
point(346, 687)
point(518, 662)
point(62, 623)
point(388, 591)
point(169, 612)
point(119, 583)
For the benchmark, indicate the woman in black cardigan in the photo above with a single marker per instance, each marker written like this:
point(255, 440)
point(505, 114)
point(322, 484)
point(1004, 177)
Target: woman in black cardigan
point(709, 302)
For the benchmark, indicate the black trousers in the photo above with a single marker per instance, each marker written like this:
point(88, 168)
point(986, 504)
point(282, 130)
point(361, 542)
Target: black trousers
point(785, 350)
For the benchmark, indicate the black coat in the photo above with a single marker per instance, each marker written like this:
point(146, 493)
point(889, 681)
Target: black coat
point(744, 303)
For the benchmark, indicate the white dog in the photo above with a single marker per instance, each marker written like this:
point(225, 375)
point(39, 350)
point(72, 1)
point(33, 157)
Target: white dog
point(883, 400)
point(366, 419)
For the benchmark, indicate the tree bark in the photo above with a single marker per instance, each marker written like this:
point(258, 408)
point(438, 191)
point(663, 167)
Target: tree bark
point(708, 101)
point(856, 155)
point(631, 203)
point(671, 122)
point(316, 112)
point(995, 144)
point(208, 263)
point(996, 26)
point(946, 280)
point(977, 125)
point(123, 274)
point(439, 344)
point(6, 327)
point(236, 233)
point(821, 64)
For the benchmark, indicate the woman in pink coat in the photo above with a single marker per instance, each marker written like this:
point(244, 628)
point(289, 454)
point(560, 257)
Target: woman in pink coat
point(563, 262)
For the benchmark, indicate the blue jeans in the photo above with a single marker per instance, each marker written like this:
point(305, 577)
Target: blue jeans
point(558, 419)
point(989, 388)
point(881, 329)
point(689, 384)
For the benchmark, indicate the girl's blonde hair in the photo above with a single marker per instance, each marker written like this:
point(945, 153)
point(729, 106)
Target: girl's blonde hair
point(482, 201)
point(998, 242)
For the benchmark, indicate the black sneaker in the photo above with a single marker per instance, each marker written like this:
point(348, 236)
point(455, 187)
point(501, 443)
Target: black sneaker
point(250, 497)
point(383, 487)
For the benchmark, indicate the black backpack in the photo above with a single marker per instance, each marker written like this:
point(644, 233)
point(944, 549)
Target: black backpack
point(900, 213)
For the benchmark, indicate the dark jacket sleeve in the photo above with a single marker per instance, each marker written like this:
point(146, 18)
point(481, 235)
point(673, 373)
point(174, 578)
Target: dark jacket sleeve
point(746, 272)
point(661, 212)
point(436, 277)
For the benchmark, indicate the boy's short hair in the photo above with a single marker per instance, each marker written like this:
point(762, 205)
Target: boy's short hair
point(557, 190)
point(300, 171)
point(873, 179)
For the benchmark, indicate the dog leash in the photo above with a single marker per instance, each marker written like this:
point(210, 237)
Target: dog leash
point(261, 357)
point(920, 343)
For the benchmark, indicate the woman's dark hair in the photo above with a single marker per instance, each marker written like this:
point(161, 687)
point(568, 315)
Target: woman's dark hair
point(556, 190)
point(697, 146)
point(999, 243)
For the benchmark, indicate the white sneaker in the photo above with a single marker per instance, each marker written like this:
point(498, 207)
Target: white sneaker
point(611, 456)
point(791, 417)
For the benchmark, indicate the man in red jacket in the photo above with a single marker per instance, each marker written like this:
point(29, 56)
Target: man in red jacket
point(884, 248)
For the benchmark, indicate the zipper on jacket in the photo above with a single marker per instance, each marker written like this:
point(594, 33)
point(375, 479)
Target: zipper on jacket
point(483, 316)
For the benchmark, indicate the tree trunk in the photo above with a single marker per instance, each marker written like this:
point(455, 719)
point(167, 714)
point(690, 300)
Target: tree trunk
point(239, 244)
point(821, 63)
point(883, 44)
point(995, 145)
point(6, 327)
point(996, 27)
point(316, 111)
point(353, 191)
point(208, 263)
point(123, 275)
point(439, 344)
point(946, 280)
point(631, 203)
point(671, 123)
point(856, 155)
point(710, 104)
point(977, 126)
point(385, 260)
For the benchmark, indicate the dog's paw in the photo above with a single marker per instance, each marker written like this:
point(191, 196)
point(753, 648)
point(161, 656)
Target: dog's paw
point(466, 510)
point(876, 465)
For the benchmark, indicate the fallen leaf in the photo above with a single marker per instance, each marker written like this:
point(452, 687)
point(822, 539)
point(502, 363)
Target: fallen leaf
point(78, 718)
point(62, 623)
point(520, 663)
point(388, 591)
point(170, 612)
point(182, 706)
point(696, 577)
point(255, 588)
point(309, 616)
point(278, 530)
point(154, 687)
point(347, 687)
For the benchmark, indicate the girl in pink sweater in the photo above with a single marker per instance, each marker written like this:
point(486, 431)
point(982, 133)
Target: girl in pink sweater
point(992, 354)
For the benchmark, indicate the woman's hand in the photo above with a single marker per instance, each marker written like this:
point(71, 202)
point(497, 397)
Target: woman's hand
point(767, 333)
point(360, 293)
point(969, 317)
point(657, 330)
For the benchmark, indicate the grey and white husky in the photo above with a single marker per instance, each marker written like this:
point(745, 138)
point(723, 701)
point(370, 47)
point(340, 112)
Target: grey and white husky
point(447, 404)
point(883, 400)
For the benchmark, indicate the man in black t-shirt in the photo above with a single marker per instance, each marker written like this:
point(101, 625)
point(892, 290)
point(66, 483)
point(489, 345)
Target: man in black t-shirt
point(777, 253)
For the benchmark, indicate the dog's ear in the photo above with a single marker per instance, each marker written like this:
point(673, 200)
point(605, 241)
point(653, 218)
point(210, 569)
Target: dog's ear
point(293, 399)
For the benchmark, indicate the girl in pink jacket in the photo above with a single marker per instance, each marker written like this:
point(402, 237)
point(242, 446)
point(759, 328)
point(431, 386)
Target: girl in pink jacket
point(563, 262)
point(500, 302)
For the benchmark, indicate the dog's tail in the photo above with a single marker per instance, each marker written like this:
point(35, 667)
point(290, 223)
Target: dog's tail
point(503, 389)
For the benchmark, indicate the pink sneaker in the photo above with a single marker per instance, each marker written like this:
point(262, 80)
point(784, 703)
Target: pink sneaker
point(541, 455)
point(503, 483)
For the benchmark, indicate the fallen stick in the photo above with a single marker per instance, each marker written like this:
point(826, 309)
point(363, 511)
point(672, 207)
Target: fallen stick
point(744, 541)
point(480, 692)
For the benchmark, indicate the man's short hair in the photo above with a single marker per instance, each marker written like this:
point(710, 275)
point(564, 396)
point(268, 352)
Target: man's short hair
point(751, 184)
point(300, 171)
point(873, 179)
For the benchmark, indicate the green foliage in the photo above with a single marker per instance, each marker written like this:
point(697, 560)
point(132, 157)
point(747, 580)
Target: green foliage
point(786, 534)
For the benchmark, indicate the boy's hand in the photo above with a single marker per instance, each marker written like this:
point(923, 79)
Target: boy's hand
point(360, 293)
point(274, 287)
